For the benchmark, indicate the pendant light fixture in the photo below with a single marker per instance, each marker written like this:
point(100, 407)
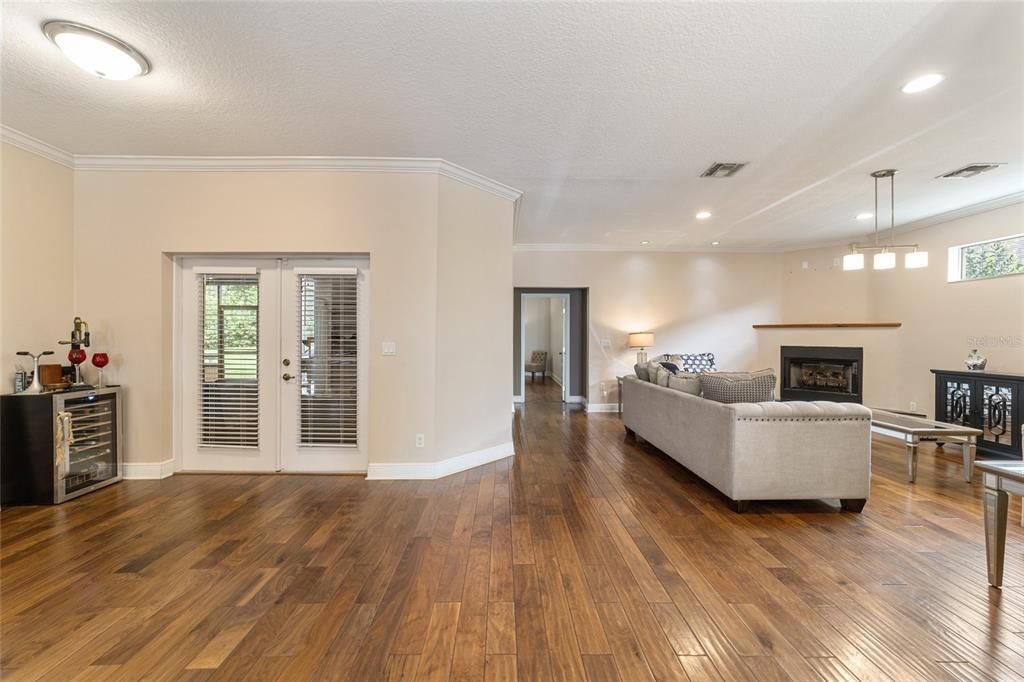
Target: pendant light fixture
point(885, 256)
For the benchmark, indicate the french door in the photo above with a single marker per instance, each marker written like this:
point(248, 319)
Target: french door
point(273, 364)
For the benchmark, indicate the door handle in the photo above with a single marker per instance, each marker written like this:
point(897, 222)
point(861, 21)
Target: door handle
point(287, 377)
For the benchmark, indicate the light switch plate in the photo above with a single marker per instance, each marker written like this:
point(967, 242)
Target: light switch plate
point(388, 348)
point(606, 343)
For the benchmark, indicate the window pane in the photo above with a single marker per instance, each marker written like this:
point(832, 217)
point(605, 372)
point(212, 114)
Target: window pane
point(992, 259)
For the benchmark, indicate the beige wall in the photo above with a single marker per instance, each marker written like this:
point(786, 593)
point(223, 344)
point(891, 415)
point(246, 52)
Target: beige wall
point(128, 222)
point(692, 302)
point(537, 326)
point(474, 286)
point(942, 321)
point(36, 268)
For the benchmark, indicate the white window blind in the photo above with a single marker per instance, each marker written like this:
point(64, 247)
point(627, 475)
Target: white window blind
point(229, 360)
point(329, 357)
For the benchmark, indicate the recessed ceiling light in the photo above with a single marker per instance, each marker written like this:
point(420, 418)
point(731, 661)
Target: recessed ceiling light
point(715, 243)
point(865, 216)
point(922, 83)
point(703, 215)
point(96, 52)
point(644, 243)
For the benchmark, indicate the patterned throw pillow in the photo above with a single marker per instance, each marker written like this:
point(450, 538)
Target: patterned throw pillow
point(739, 387)
point(692, 362)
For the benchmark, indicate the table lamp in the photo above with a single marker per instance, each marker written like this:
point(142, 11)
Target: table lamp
point(641, 340)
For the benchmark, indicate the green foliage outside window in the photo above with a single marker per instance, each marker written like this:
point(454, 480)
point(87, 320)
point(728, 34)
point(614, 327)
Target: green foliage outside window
point(992, 259)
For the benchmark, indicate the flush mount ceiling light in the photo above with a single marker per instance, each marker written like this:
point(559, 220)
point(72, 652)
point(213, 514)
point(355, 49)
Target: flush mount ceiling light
point(715, 243)
point(96, 52)
point(885, 259)
point(922, 83)
point(644, 243)
point(865, 216)
point(703, 215)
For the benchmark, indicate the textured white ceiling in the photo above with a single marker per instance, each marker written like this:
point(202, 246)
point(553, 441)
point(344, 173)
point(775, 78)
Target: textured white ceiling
point(604, 114)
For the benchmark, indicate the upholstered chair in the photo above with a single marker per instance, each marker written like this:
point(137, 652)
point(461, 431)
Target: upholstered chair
point(538, 363)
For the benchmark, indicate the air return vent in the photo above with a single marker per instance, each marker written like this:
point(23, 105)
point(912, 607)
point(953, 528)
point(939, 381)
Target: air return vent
point(722, 170)
point(971, 170)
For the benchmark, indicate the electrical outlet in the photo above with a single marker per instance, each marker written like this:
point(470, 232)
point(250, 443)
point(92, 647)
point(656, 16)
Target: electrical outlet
point(913, 406)
point(421, 440)
point(606, 343)
point(388, 348)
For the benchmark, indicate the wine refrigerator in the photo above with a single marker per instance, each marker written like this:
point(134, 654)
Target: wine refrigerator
point(57, 446)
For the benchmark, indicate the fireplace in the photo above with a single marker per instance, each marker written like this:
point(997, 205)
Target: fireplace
point(822, 373)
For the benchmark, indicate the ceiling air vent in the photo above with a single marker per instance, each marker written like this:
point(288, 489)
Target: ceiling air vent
point(722, 170)
point(971, 170)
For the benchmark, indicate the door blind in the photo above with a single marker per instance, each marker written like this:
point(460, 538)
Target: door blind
point(329, 359)
point(229, 360)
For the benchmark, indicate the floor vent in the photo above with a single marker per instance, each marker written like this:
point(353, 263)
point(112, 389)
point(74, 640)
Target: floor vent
point(971, 170)
point(722, 170)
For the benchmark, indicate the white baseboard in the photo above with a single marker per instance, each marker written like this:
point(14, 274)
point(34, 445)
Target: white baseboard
point(431, 470)
point(602, 407)
point(577, 399)
point(148, 470)
point(517, 399)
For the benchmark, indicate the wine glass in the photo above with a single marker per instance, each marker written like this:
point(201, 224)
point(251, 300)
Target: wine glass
point(77, 356)
point(99, 361)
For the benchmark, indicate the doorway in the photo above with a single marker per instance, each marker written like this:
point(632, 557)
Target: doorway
point(273, 365)
point(544, 340)
point(562, 315)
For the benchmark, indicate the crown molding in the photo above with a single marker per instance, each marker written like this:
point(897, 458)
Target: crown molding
point(607, 248)
point(920, 224)
point(36, 146)
point(352, 164)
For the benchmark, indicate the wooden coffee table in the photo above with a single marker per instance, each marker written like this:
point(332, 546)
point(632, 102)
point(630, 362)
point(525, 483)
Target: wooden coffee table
point(912, 429)
point(1000, 478)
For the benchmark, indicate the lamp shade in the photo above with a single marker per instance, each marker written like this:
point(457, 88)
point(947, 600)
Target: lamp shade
point(885, 260)
point(641, 340)
point(853, 261)
point(915, 259)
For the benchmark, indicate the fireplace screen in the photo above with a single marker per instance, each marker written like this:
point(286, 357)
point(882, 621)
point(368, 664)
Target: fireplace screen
point(822, 373)
point(814, 375)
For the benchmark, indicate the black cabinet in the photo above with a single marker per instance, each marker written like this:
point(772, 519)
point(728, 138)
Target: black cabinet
point(989, 401)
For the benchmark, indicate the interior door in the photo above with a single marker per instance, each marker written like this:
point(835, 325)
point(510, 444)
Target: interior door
point(230, 324)
point(563, 355)
point(323, 366)
point(273, 365)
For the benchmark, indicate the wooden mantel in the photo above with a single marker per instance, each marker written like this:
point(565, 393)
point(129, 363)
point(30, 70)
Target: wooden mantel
point(830, 325)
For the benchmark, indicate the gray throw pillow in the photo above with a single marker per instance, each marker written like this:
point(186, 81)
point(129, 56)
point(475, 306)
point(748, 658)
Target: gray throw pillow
point(641, 372)
point(661, 377)
point(739, 387)
point(686, 382)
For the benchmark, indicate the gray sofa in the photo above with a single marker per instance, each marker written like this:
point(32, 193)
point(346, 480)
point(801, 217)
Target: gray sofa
point(758, 451)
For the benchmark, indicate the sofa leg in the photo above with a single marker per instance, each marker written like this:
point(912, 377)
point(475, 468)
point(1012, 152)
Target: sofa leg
point(855, 506)
point(740, 506)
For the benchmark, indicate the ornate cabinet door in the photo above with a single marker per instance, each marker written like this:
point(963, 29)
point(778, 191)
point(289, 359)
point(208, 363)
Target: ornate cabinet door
point(998, 415)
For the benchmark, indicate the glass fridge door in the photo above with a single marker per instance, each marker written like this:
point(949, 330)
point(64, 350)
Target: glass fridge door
point(93, 451)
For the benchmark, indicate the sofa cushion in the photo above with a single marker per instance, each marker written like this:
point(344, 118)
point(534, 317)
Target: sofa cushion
point(687, 382)
point(652, 370)
point(661, 377)
point(692, 362)
point(739, 387)
point(641, 372)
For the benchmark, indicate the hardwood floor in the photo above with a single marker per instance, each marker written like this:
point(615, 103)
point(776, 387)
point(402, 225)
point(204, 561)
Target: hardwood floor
point(585, 557)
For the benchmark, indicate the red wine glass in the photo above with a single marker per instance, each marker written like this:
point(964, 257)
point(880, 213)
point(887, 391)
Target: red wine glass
point(77, 356)
point(99, 361)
